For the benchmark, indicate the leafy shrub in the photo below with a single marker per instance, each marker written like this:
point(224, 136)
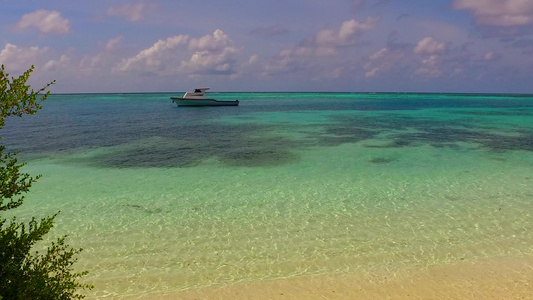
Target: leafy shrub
point(25, 273)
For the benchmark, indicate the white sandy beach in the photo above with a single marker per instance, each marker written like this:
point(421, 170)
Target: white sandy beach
point(505, 278)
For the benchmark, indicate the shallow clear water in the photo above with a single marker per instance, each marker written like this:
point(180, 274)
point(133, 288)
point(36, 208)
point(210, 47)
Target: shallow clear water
point(163, 198)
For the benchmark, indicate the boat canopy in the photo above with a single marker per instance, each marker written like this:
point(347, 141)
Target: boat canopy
point(200, 90)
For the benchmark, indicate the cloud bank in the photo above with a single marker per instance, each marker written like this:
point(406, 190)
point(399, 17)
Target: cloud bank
point(117, 48)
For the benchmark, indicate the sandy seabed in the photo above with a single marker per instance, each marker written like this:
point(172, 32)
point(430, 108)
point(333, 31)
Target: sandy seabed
point(502, 278)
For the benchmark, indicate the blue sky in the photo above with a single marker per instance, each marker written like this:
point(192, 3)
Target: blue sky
point(271, 45)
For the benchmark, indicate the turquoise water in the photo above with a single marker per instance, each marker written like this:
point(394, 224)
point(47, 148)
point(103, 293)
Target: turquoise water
point(164, 199)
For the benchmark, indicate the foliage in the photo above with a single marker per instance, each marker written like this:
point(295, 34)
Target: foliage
point(14, 97)
point(25, 273)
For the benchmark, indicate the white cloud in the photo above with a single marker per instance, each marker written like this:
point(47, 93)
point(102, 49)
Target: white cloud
point(53, 65)
point(431, 63)
point(491, 56)
point(132, 12)
point(345, 35)
point(383, 60)
point(21, 58)
point(499, 12)
point(212, 53)
point(430, 67)
point(209, 54)
point(215, 42)
point(325, 43)
point(48, 22)
point(429, 45)
point(206, 61)
point(113, 43)
point(253, 59)
point(154, 58)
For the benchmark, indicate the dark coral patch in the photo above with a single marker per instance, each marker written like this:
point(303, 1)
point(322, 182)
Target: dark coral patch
point(380, 160)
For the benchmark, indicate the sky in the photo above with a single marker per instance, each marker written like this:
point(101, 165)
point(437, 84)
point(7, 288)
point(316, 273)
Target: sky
point(463, 46)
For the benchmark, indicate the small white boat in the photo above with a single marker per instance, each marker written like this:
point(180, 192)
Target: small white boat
point(197, 98)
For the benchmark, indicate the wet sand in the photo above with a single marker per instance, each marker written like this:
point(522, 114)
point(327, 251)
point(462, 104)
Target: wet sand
point(503, 278)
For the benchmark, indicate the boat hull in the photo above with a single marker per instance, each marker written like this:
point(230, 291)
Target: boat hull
point(203, 102)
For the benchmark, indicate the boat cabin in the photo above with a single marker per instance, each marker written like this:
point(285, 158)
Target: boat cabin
point(198, 93)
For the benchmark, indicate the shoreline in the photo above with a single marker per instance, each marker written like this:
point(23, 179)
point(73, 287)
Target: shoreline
point(499, 278)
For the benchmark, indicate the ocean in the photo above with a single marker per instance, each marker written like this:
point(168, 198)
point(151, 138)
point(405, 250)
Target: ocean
point(165, 199)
